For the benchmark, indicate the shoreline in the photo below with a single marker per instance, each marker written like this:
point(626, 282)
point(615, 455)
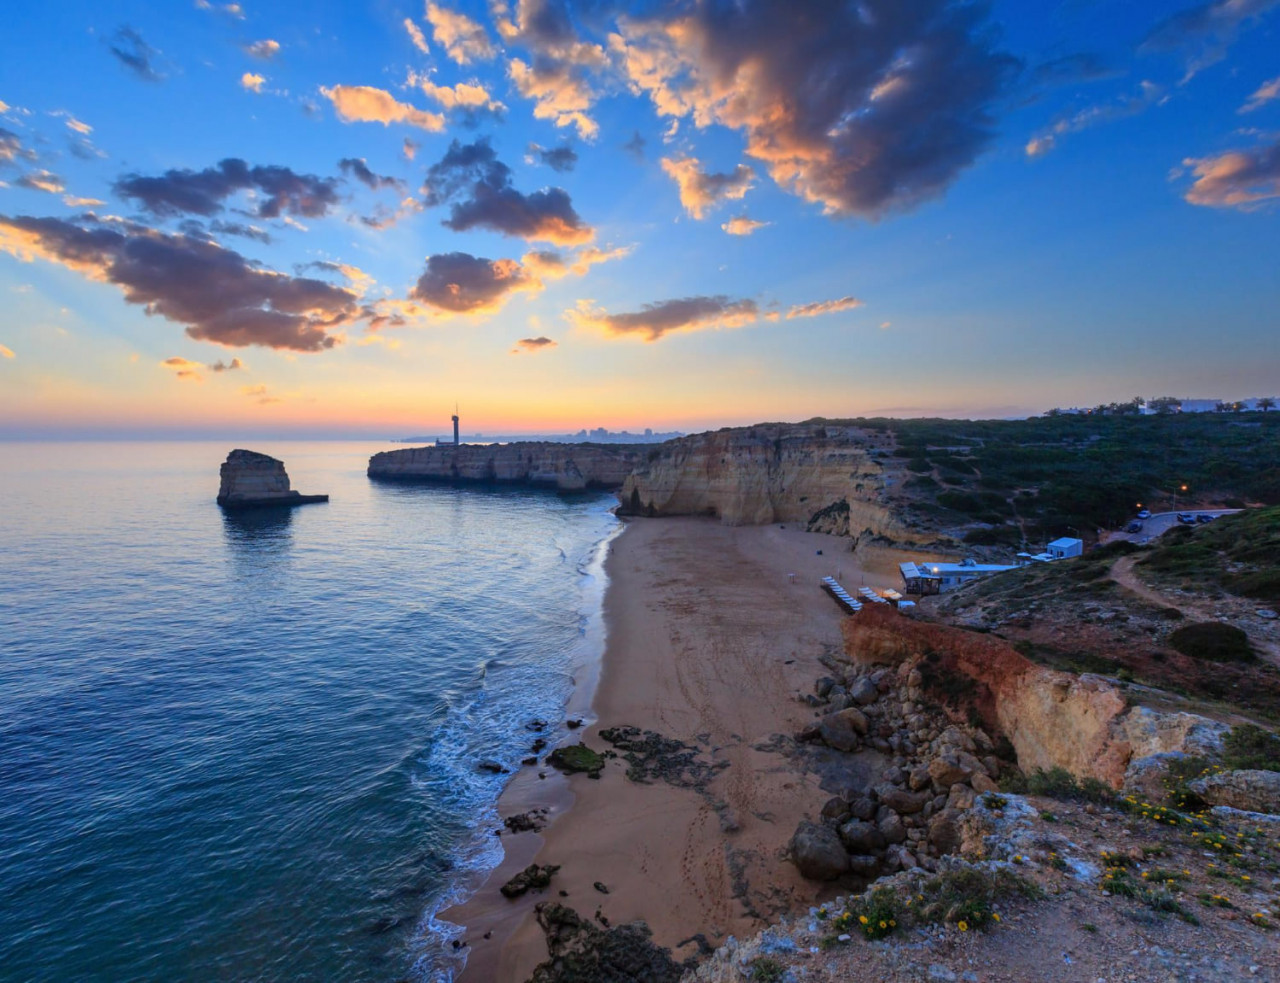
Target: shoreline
point(711, 635)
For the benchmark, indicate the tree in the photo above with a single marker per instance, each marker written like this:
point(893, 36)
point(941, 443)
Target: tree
point(1165, 404)
point(1266, 403)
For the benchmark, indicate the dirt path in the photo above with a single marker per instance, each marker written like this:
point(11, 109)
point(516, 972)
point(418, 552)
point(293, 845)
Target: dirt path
point(1122, 573)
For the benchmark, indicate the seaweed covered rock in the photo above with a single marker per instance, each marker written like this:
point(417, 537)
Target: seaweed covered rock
point(581, 952)
point(577, 758)
point(531, 877)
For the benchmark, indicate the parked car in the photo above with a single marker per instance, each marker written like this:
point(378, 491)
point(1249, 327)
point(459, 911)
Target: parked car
point(1144, 514)
point(1188, 518)
point(1134, 526)
point(1204, 517)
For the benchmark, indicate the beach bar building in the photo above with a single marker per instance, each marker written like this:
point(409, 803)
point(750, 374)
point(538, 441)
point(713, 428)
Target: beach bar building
point(932, 578)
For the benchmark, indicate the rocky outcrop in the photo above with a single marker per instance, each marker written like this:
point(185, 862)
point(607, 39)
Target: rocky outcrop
point(1053, 719)
point(822, 476)
point(253, 480)
point(564, 467)
point(1249, 791)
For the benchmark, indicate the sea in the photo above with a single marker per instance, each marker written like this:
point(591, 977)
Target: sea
point(244, 746)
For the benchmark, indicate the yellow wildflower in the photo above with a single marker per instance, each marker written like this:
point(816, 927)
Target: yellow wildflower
point(964, 926)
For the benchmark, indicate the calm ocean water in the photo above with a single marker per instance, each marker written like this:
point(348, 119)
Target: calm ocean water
point(244, 747)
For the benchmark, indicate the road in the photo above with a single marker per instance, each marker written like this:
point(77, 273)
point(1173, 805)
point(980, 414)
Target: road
point(1160, 523)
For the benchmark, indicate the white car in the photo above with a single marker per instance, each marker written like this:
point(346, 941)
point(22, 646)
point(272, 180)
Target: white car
point(1144, 514)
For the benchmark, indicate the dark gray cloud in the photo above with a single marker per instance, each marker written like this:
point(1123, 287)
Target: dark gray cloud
point(478, 186)
point(635, 146)
point(11, 148)
point(218, 294)
point(234, 365)
point(283, 191)
point(866, 108)
point(653, 321)
point(560, 159)
point(459, 283)
point(217, 227)
point(357, 168)
point(135, 54)
point(1205, 31)
point(1068, 69)
point(537, 344)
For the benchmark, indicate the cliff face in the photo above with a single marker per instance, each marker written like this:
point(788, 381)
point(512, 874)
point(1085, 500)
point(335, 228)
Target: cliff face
point(564, 467)
point(250, 479)
point(769, 473)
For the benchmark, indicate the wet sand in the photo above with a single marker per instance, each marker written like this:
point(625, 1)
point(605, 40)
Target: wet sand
point(709, 640)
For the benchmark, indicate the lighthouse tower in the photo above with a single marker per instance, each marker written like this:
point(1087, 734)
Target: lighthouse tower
point(455, 426)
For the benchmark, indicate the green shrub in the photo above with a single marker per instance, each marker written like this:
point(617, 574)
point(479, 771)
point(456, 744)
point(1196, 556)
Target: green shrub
point(1251, 747)
point(1212, 641)
point(766, 969)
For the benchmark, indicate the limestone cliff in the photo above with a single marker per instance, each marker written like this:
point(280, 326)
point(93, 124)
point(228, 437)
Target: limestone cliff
point(564, 467)
point(252, 480)
point(823, 476)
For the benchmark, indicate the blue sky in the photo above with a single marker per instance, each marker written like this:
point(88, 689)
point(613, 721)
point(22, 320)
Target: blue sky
point(962, 210)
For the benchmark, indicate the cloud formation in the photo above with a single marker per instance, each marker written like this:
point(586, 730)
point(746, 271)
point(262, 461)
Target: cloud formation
point(135, 54)
point(653, 321)
point(551, 265)
point(558, 78)
point(823, 307)
point(466, 97)
point(559, 159)
point(864, 108)
point(409, 149)
point(216, 292)
point(701, 190)
point(266, 49)
point(252, 82)
point(11, 148)
point(283, 191)
point(6, 352)
point(741, 225)
point(531, 345)
point(459, 283)
point(463, 39)
point(416, 36)
point(42, 180)
point(1147, 95)
point(478, 185)
point(1241, 179)
point(219, 366)
point(184, 369)
point(365, 104)
point(1267, 92)
point(357, 168)
point(1206, 31)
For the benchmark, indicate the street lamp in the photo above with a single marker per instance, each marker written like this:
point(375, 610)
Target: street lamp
point(1175, 497)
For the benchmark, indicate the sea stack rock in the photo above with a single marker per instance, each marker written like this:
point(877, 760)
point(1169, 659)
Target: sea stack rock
point(253, 480)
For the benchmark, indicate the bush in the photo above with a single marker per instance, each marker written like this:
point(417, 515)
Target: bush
point(766, 969)
point(1251, 747)
point(875, 917)
point(1212, 641)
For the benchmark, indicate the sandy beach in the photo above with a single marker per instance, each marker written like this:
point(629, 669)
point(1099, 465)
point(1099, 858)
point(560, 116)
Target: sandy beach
point(712, 632)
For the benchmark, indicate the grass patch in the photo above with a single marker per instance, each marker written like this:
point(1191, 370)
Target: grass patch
point(766, 969)
point(1250, 747)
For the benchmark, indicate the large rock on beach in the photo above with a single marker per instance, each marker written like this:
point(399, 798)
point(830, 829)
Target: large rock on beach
point(818, 853)
point(841, 730)
point(253, 480)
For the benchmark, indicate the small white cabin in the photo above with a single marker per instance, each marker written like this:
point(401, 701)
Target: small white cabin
point(1061, 549)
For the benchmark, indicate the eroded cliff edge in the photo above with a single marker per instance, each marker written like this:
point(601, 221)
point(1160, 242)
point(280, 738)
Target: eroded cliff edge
point(564, 467)
point(824, 476)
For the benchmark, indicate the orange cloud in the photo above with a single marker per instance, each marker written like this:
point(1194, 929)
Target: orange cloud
point(1240, 179)
point(463, 39)
point(6, 352)
point(823, 307)
point(551, 265)
point(653, 321)
point(184, 369)
point(1265, 93)
point(365, 104)
point(531, 345)
point(740, 225)
point(265, 49)
point(42, 180)
point(461, 284)
point(416, 36)
point(700, 190)
point(560, 94)
point(252, 81)
point(464, 95)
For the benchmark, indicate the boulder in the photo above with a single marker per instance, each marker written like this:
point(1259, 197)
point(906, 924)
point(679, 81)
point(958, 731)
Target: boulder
point(919, 778)
point(945, 831)
point(861, 837)
point(983, 784)
point(863, 807)
point(864, 865)
point(900, 800)
point(252, 480)
point(823, 687)
point(1250, 791)
point(841, 730)
point(836, 808)
point(892, 828)
point(947, 769)
point(531, 877)
point(818, 853)
point(864, 691)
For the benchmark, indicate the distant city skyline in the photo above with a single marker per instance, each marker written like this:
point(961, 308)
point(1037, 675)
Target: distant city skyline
point(262, 219)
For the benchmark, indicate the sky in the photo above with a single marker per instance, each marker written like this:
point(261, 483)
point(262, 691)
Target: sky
point(340, 219)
